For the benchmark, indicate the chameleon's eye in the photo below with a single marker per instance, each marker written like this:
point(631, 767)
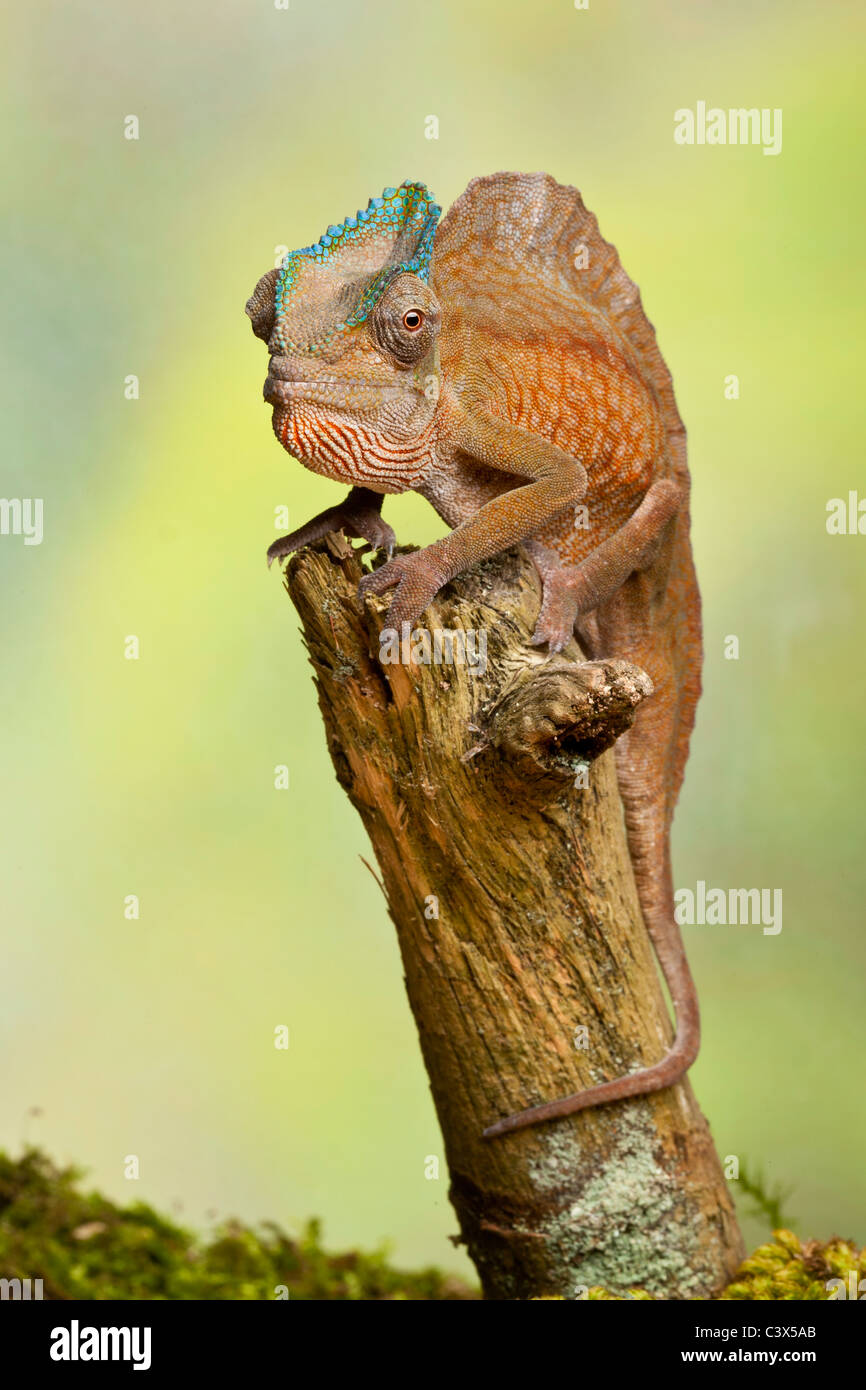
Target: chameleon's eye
point(413, 319)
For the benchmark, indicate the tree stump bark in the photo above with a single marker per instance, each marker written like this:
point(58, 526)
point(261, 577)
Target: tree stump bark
point(491, 802)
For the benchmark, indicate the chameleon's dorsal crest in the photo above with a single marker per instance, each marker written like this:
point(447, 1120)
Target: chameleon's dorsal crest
point(325, 289)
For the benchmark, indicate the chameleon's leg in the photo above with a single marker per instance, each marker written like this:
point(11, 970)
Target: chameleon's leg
point(359, 515)
point(570, 591)
point(554, 481)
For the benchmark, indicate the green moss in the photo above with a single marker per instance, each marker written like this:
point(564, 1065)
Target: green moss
point(785, 1269)
point(82, 1246)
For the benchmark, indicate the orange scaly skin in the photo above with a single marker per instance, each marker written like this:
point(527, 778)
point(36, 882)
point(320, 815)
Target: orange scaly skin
point(550, 396)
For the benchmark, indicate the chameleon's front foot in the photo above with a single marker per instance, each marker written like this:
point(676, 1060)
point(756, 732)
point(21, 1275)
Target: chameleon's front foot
point(356, 517)
point(418, 576)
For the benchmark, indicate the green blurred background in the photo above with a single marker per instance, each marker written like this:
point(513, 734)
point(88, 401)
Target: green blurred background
point(155, 777)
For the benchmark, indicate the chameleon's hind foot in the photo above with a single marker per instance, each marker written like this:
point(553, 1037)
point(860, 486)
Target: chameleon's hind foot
point(560, 598)
point(572, 591)
point(560, 610)
point(357, 518)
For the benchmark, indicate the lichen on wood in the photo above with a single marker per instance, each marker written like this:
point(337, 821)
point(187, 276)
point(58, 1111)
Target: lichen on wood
point(489, 794)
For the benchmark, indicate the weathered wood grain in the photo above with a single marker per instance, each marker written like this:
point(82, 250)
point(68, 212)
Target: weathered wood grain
point(511, 889)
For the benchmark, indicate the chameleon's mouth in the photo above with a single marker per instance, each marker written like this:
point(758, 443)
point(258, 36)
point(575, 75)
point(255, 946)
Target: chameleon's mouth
point(349, 393)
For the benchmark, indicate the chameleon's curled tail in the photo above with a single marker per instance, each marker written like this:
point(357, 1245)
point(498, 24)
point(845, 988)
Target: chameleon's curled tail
point(666, 939)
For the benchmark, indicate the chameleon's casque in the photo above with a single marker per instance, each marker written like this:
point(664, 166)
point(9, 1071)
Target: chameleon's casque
point(501, 364)
point(327, 288)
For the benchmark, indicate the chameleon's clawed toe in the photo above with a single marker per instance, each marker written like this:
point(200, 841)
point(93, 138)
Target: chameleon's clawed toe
point(281, 548)
point(380, 580)
point(417, 578)
point(359, 522)
point(554, 640)
point(368, 526)
point(555, 625)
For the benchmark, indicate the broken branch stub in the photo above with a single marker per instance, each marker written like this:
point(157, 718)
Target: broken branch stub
point(562, 710)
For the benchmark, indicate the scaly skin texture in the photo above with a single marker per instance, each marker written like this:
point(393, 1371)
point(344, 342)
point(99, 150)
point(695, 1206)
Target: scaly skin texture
point(513, 380)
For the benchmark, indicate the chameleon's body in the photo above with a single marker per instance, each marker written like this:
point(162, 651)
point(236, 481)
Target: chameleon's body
point(513, 380)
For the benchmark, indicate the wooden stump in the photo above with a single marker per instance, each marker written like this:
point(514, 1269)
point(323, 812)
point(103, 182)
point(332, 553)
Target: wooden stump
point(489, 794)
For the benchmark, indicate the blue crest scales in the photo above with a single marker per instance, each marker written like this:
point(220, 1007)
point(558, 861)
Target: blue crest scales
point(392, 236)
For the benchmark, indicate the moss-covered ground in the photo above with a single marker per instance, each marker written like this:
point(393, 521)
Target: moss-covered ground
point(83, 1246)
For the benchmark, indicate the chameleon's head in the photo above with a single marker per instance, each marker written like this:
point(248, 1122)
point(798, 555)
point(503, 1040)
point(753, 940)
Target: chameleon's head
point(352, 328)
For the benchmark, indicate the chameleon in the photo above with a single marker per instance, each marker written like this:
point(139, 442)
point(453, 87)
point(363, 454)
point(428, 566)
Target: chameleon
point(499, 362)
